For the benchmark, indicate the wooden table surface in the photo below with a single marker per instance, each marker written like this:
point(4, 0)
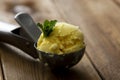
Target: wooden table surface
point(98, 19)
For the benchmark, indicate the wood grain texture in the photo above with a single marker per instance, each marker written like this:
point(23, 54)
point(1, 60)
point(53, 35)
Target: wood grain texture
point(100, 22)
point(98, 19)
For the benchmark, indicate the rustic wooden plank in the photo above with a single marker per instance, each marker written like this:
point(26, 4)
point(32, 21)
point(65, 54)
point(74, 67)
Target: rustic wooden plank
point(39, 9)
point(18, 66)
point(99, 20)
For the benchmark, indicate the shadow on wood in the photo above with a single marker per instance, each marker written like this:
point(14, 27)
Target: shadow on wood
point(18, 65)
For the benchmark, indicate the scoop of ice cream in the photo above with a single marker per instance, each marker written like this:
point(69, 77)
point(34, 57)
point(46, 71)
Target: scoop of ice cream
point(65, 38)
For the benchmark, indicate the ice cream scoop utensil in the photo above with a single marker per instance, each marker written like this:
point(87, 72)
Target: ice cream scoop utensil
point(54, 61)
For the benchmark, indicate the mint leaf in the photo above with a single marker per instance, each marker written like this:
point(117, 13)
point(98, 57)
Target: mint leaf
point(47, 27)
point(40, 25)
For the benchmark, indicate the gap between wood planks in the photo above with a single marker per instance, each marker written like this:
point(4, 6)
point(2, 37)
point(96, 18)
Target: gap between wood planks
point(117, 2)
point(2, 77)
point(99, 73)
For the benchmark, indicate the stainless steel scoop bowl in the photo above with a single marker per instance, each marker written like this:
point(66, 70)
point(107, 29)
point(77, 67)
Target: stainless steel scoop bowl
point(28, 44)
point(60, 62)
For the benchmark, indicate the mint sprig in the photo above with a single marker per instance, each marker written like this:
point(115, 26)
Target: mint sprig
point(47, 27)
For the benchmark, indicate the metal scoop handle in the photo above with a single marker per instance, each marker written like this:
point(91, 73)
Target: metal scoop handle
point(27, 23)
point(19, 42)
